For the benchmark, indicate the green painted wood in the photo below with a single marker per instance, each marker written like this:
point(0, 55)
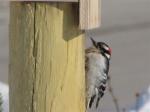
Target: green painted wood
point(46, 71)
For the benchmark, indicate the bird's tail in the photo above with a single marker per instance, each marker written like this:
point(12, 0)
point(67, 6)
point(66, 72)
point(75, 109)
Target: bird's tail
point(97, 102)
point(100, 95)
point(91, 100)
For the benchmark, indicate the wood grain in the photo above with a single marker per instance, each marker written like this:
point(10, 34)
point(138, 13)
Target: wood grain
point(48, 0)
point(46, 58)
point(90, 14)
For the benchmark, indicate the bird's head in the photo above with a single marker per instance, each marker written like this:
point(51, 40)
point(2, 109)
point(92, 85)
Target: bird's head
point(102, 47)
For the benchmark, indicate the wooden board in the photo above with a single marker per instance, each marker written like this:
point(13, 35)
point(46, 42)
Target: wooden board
point(46, 58)
point(49, 0)
point(62, 0)
point(89, 14)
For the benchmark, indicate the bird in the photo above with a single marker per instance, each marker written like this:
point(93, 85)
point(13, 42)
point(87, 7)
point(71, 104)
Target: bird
point(97, 59)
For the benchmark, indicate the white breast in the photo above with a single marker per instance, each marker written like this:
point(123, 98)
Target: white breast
point(96, 61)
point(96, 65)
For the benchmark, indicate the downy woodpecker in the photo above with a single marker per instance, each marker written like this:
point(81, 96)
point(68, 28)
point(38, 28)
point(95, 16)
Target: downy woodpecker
point(97, 67)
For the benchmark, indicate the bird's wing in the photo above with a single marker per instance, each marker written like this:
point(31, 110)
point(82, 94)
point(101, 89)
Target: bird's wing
point(88, 51)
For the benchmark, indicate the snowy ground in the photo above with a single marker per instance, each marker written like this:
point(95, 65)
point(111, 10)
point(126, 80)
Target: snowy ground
point(4, 92)
point(143, 102)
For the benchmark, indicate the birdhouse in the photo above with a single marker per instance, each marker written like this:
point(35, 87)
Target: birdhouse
point(89, 13)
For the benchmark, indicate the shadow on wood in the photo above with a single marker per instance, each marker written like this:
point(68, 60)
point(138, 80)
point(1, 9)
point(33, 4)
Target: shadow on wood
point(46, 58)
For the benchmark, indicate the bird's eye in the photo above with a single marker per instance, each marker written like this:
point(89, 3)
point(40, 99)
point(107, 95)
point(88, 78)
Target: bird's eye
point(100, 47)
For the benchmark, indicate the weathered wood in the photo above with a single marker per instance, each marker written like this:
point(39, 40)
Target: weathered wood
point(89, 11)
point(46, 58)
point(50, 0)
point(90, 14)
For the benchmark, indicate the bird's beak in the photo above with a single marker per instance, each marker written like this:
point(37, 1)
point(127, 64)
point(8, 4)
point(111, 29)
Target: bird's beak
point(94, 42)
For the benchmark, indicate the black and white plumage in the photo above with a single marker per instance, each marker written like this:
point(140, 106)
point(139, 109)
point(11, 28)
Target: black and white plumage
point(97, 67)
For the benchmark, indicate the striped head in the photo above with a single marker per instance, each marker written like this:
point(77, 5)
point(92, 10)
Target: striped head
point(104, 49)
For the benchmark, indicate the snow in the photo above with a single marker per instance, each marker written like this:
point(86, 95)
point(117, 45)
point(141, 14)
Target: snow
point(145, 108)
point(4, 91)
point(143, 102)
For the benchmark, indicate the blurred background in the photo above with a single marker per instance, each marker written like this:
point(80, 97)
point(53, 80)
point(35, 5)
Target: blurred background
point(4, 22)
point(126, 28)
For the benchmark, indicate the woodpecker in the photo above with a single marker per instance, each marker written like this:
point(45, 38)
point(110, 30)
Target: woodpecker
point(97, 60)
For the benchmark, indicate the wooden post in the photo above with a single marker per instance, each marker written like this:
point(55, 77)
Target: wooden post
point(46, 58)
